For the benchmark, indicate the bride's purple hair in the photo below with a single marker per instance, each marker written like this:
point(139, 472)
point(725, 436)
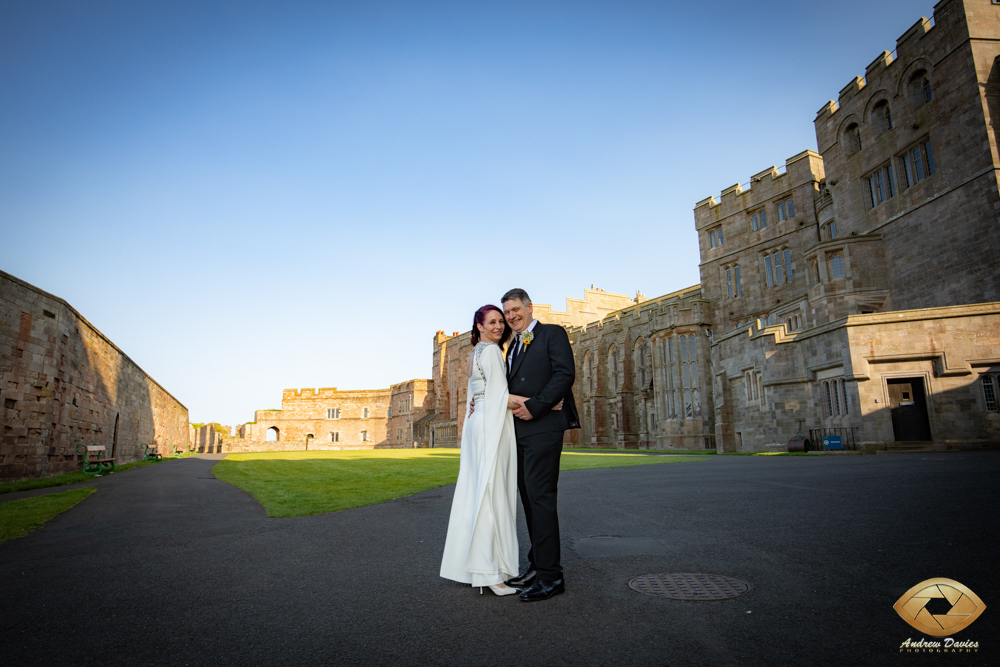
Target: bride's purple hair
point(480, 317)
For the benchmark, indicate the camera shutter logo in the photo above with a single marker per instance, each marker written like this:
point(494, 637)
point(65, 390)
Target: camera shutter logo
point(965, 607)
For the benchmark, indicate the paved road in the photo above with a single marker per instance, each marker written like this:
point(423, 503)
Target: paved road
point(166, 565)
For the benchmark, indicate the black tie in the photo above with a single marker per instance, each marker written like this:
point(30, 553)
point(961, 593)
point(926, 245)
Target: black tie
point(513, 357)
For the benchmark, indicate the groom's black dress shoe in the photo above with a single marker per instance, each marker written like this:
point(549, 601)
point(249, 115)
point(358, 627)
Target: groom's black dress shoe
point(524, 581)
point(543, 590)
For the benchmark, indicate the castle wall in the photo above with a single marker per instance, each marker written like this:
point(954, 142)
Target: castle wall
point(410, 402)
point(305, 415)
point(643, 376)
point(64, 383)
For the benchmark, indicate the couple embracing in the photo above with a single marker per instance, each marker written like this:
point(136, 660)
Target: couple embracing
point(520, 402)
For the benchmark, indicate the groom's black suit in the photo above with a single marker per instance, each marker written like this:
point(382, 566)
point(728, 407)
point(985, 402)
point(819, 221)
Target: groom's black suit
point(543, 372)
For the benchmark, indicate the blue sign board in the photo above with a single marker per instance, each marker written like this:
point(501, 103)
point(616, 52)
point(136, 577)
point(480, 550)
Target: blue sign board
point(833, 442)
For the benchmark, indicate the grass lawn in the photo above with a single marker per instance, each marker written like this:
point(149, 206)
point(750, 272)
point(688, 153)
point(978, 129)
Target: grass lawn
point(301, 483)
point(63, 480)
point(18, 517)
point(699, 452)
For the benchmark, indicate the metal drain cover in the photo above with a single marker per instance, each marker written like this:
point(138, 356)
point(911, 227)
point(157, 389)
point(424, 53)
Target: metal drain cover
point(690, 586)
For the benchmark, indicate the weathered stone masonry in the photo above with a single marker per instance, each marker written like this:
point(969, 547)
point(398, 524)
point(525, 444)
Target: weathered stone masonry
point(63, 383)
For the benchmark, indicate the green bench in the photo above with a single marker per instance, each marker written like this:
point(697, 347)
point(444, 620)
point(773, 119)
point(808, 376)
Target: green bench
point(150, 453)
point(94, 461)
point(178, 451)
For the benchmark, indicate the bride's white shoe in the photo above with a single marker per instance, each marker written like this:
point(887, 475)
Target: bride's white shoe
point(500, 589)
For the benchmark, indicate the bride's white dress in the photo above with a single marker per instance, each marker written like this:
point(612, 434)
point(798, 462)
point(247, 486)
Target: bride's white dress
point(481, 547)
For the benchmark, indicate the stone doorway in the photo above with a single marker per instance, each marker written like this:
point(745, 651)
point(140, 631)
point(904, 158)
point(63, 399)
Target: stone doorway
point(908, 409)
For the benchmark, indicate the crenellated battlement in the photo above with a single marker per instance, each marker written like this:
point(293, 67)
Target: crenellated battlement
point(800, 168)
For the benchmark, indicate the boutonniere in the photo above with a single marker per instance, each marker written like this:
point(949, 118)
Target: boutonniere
point(527, 337)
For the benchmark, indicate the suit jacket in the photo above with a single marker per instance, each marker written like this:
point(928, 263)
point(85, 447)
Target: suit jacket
point(544, 373)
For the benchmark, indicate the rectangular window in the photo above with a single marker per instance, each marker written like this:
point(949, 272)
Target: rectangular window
point(781, 212)
point(334, 436)
point(711, 239)
point(754, 225)
point(880, 186)
point(989, 393)
point(779, 274)
point(767, 271)
point(736, 280)
point(729, 281)
point(333, 413)
point(719, 234)
point(790, 205)
point(788, 265)
point(364, 413)
point(763, 219)
point(917, 163)
point(364, 436)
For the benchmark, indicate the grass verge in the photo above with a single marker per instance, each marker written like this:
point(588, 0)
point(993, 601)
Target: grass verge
point(699, 452)
point(19, 517)
point(291, 484)
point(63, 480)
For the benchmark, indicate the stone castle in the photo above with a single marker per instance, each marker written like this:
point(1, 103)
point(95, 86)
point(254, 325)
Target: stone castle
point(853, 293)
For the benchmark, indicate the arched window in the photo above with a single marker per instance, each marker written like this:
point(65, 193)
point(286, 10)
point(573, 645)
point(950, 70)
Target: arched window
point(642, 364)
point(589, 369)
point(670, 401)
point(815, 270)
point(882, 117)
point(919, 88)
point(843, 395)
point(272, 434)
point(829, 398)
point(836, 266)
point(615, 368)
point(852, 138)
point(729, 281)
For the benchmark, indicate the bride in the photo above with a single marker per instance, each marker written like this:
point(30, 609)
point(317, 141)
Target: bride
point(481, 547)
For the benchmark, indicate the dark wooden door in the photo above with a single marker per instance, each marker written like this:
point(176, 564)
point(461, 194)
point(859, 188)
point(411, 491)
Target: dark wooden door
point(908, 409)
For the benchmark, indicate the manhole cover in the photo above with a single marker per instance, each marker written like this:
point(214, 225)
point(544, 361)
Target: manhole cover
point(690, 586)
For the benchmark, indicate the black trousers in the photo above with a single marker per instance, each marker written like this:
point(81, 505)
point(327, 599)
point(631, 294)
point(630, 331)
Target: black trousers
point(537, 481)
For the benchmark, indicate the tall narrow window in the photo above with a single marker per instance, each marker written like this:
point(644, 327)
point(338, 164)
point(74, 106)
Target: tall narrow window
point(736, 280)
point(668, 379)
point(843, 395)
point(829, 399)
point(837, 267)
point(880, 186)
point(790, 205)
point(989, 393)
point(711, 239)
point(782, 216)
point(590, 371)
point(754, 222)
point(788, 264)
point(926, 86)
point(779, 274)
point(364, 413)
point(836, 398)
point(364, 436)
point(729, 281)
point(334, 436)
point(763, 219)
point(767, 271)
point(718, 233)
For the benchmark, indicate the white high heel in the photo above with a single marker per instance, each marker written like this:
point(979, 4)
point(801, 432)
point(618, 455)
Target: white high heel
point(501, 590)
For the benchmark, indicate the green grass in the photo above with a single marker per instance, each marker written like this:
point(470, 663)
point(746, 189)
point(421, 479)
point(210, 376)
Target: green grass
point(63, 480)
point(19, 517)
point(301, 483)
point(774, 453)
point(699, 452)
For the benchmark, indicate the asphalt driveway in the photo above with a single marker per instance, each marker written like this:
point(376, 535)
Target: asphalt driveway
point(166, 565)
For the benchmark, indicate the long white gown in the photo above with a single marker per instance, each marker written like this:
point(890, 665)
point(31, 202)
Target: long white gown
point(481, 547)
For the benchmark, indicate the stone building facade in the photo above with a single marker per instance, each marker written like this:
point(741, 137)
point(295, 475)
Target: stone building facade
point(64, 383)
point(871, 312)
point(854, 294)
point(411, 407)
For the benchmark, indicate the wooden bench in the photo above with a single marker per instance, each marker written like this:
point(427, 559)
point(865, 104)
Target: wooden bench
point(150, 453)
point(94, 461)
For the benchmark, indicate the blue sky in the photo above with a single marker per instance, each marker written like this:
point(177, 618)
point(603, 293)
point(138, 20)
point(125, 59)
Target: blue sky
point(252, 196)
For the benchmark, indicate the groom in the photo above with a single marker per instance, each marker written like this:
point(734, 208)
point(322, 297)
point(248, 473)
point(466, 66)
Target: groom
point(540, 368)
